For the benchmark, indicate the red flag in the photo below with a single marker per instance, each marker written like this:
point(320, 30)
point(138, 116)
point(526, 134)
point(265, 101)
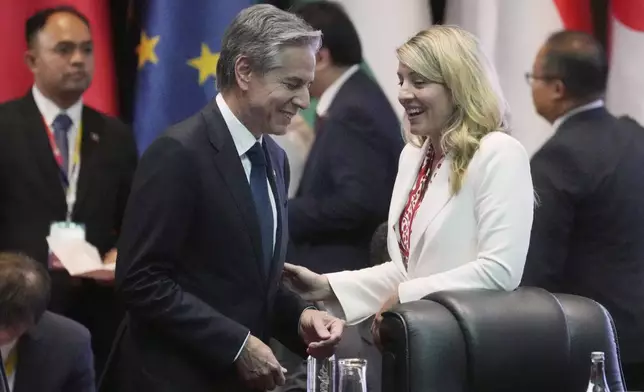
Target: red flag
point(15, 77)
point(576, 15)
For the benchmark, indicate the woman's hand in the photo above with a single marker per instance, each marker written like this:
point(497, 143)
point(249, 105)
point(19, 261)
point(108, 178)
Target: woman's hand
point(375, 326)
point(309, 285)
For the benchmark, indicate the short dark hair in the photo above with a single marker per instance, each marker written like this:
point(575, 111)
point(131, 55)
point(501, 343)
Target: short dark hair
point(378, 253)
point(24, 290)
point(339, 35)
point(579, 60)
point(37, 21)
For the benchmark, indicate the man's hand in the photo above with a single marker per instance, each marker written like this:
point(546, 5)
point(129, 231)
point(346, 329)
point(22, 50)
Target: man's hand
point(55, 264)
point(103, 277)
point(321, 332)
point(258, 367)
point(375, 326)
point(110, 257)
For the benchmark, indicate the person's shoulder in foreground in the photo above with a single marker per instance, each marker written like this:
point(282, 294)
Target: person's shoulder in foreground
point(64, 348)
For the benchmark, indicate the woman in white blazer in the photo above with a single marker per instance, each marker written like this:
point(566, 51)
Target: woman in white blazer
point(462, 205)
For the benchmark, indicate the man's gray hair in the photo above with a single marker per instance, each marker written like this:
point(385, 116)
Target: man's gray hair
point(260, 32)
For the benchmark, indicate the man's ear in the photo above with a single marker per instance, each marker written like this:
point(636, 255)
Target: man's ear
point(243, 72)
point(559, 89)
point(322, 59)
point(30, 59)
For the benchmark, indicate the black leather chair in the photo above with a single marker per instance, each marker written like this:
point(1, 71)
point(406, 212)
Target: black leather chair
point(527, 340)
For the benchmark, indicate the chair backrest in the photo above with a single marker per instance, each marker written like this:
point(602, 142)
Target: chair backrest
point(494, 341)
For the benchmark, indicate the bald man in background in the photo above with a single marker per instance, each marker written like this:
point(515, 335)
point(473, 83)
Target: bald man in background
point(589, 224)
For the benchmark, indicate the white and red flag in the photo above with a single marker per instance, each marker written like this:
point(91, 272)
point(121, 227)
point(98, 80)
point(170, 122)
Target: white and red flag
point(512, 32)
point(626, 79)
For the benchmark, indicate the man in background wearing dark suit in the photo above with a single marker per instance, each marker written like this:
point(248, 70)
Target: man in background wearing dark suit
point(347, 182)
point(589, 224)
point(46, 179)
point(346, 186)
point(205, 231)
point(41, 351)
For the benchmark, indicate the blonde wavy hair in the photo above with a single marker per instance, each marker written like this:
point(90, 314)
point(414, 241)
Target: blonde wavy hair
point(453, 57)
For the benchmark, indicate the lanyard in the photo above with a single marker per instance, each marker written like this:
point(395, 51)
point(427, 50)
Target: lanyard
point(70, 181)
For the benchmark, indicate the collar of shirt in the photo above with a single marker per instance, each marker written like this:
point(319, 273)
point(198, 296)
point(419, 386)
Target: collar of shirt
point(242, 137)
point(50, 110)
point(6, 349)
point(583, 108)
point(326, 99)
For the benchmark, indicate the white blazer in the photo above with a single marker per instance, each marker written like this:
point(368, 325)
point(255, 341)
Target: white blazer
point(477, 239)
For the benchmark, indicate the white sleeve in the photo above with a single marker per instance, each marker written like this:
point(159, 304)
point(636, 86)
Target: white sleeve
point(362, 293)
point(503, 206)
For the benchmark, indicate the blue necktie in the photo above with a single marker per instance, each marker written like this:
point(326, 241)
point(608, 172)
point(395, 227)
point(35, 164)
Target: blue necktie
point(259, 188)
point(62, 124)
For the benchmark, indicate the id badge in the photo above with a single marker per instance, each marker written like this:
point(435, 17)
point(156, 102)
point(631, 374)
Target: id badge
point(64, 230)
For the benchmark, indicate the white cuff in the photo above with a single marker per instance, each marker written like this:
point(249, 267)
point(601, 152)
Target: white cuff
point(242, 347)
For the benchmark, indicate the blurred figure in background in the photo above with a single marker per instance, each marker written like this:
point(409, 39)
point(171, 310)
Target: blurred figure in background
point(378, 251)
point(41, 351)
point(630, 120)
point(65, 165)
point(588, 227)
point(296, 143)
point(346, 185)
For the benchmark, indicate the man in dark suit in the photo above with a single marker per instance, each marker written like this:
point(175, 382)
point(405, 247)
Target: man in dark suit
point(589, 222)
point(346, 185)
point(61, 159)
point(347, 182)
point(41, 351)
point(205, 231)
point(630, 120)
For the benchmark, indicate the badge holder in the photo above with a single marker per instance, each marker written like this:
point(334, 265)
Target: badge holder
point(64, 230)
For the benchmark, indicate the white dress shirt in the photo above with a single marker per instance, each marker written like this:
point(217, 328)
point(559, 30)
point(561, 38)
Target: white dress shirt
point(326, 99)
point(49, 111)
point(583, 108)
point(244, 140)
point(5, 350)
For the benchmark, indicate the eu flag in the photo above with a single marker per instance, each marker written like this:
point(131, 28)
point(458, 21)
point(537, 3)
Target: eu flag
point(178, 53)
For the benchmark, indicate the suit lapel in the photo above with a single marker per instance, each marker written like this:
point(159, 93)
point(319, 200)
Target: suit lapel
point(276, 179)
point(31, 359)
point(404, 182)
point(436, 197)
point(407, 173)
point(41, 153)
point(228, 164)
point(92, 126)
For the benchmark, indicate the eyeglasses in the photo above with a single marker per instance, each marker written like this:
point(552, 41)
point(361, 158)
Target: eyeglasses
point(530, 77)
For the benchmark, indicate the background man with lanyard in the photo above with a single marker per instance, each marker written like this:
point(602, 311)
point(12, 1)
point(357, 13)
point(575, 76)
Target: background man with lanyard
point(59, 140)
point(65, 169)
